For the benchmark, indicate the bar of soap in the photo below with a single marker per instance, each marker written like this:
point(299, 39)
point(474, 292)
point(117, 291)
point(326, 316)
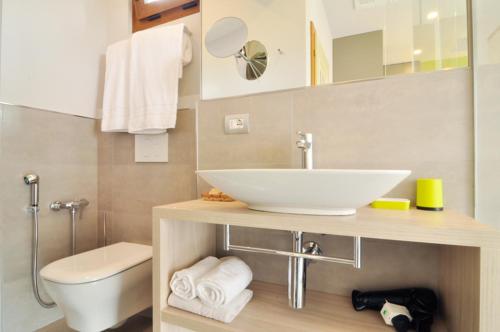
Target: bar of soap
point(391, 204)
point(216, 195)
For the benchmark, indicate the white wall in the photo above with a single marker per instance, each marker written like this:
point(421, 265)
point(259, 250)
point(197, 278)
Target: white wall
point(119, 20)
point(278, 24)
point(52, 52)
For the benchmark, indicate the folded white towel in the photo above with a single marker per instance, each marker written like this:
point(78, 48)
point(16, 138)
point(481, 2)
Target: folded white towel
point(223, 283)
point(183, 282)
point(156, 63)
point(115, 108)
point(225, 313)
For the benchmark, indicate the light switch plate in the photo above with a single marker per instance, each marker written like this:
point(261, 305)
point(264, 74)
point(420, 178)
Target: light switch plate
point(237, 124)
point(151, 148)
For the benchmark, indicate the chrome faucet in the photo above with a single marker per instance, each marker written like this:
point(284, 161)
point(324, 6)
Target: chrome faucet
point(73, 207)
point(297, 266)
point(305, 142)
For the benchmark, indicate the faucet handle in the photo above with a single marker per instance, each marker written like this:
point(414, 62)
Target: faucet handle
point(305, 140)
point(56, 206)
point(83, 202)
point(305, 136)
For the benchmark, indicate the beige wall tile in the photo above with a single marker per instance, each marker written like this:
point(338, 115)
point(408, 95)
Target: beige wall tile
point(62, 150)
point(385, 265)
point(377, 124)
point(75, 160)
point(123, 149)
point(33, 135)
point(419, 122)
point(128, 190)
point(265, 146)
point(105, 160)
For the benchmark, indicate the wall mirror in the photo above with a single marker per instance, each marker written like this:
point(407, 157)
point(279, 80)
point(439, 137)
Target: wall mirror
point(314, 42)
point(252, 60)
point(226, 37)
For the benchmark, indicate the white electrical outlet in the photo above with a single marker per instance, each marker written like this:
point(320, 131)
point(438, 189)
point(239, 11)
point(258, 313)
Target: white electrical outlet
point(237, 124)
point(151, 148)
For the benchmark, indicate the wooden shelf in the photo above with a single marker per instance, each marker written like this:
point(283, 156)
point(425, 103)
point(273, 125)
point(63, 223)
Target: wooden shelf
point(467, 276)
point(447, 227)
point(269, 311)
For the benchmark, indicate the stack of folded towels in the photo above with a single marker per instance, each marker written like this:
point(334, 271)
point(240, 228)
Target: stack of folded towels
point(213, 288)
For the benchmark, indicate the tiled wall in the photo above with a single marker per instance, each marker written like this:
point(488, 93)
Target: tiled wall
point(62, 150)
point(74, 160)
point(129, 190)
point(421, 122)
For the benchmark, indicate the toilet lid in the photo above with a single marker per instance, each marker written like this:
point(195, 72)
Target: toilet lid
point(97, 264)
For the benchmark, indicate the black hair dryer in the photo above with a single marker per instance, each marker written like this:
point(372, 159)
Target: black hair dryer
point(420, 302)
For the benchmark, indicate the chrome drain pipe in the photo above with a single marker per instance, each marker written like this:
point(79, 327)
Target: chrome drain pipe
point(297, 273)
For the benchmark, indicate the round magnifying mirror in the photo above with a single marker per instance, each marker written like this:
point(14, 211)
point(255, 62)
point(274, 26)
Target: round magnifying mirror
point(252, 60)
point(226, 37)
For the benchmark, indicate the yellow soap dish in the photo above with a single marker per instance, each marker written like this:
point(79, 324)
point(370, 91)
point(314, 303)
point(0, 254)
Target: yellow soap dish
point(391, 204)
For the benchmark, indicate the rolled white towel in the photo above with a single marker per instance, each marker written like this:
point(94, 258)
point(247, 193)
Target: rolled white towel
point(226, 281)
point(225, 313)
point(183, 282)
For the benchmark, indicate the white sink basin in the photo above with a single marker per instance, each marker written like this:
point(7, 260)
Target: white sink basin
point(298, 191)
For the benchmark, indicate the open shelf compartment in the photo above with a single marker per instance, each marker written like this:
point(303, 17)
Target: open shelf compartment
point(269, 311)
point(469, 266)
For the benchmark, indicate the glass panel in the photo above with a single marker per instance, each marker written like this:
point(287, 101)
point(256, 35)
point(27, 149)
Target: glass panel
point(487, 107)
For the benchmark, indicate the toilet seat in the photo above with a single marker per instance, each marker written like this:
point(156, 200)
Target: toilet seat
point(100, 288)
point(97, 264)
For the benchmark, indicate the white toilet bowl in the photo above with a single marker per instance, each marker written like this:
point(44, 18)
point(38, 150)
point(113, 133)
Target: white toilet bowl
point(101, 288)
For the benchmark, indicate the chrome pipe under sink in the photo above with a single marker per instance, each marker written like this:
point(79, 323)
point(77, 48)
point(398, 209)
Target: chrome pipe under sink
point(296, 265)
point(297, 274)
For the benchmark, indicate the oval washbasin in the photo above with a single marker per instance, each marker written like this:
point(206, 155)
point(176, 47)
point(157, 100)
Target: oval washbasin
point(300, 191)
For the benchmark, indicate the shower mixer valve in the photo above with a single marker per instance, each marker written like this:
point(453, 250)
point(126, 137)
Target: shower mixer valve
point(71, 205)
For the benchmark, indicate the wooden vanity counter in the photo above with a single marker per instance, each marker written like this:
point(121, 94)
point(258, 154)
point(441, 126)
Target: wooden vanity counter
point(446, 227)
point(470, 264)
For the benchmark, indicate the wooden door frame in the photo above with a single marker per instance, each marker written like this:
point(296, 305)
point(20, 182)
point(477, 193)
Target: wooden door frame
point(312, 32)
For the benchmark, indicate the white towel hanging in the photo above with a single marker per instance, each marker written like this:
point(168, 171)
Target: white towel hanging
point(142, 80)
point(115, 108)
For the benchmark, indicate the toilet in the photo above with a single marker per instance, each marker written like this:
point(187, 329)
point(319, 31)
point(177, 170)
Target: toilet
point(101, 288)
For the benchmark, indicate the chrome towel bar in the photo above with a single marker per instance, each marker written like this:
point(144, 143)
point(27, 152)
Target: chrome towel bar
point(355, 262)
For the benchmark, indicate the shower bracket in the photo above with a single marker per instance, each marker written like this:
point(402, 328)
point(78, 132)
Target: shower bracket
point(32, 209)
